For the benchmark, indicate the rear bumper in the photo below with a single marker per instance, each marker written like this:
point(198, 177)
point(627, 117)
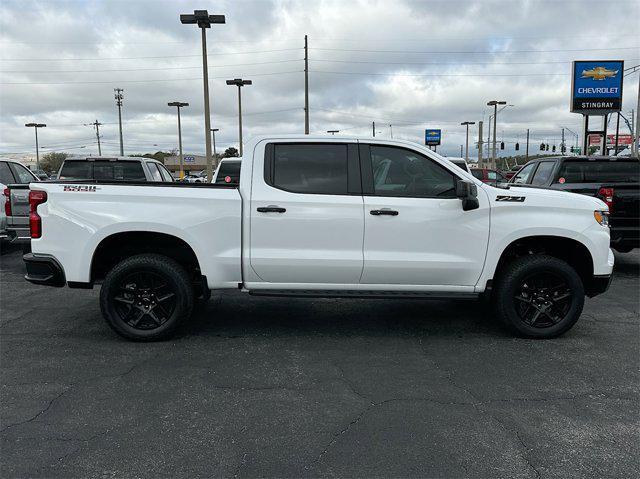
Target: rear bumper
point(19, 235)
point(44, 270)
point(598, 285)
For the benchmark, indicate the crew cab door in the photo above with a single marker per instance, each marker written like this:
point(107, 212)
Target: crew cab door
point(306, 218)
point(416, 232)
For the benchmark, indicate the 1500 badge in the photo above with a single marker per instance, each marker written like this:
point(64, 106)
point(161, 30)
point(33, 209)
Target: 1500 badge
point(87, 188)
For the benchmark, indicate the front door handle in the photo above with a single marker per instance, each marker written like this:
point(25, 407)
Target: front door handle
point(271, 209)
point(384, 211)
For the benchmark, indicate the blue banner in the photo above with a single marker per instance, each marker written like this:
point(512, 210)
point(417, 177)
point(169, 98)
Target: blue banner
point(432, 137)
point(597, 86)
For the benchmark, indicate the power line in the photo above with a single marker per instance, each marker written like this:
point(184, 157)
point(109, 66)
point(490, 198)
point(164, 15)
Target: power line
point(489, 52)
point(154, 80)
point(444, 74)
point(141, 58)
point(451, 63)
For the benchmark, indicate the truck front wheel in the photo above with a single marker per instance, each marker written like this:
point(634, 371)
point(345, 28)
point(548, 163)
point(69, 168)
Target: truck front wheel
point(146, 297)
point(539, 296)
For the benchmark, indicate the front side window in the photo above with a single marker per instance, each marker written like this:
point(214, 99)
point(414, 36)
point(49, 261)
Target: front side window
point(166, 176)
point(492, 175)
point(523, 175)
point(310, 168)
point(401, 172)
point(543, 173)
point(477, 173)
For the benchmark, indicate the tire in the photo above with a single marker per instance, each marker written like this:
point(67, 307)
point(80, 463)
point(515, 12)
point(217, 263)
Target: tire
point(146, 297)
point(623, 249)
point(538, 296)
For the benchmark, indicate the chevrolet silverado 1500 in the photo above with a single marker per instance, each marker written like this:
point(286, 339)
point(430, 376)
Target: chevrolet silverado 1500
point(322, 217)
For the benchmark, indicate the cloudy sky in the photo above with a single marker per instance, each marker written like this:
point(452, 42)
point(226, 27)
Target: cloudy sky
point(409, 64)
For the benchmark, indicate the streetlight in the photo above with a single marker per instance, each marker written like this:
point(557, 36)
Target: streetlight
point(35, 126)
point(178, 105)
point(467, 123)
point(213, 132)
point(333, 132)
point(494, 104)
point(239, 82)
point(204, 21)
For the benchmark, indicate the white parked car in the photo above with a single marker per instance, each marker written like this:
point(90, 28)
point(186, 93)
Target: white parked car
point(323, 216)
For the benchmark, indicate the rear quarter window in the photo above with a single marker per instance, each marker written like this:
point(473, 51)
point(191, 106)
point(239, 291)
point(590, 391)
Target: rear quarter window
point(229, 170)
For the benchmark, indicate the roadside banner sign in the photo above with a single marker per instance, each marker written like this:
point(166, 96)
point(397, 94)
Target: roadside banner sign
point(623, 140)
point(432, 137)
point(596, 86)
point(189, 159)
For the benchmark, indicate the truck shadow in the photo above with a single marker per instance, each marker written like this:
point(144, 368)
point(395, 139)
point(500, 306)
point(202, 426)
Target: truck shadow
point(234, 314)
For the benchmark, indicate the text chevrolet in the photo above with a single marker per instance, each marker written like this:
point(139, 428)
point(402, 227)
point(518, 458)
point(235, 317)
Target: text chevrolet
point(323, 217)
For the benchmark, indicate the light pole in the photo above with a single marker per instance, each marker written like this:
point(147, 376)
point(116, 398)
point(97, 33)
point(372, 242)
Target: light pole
point(35, 126)
point(213, 133)
point(204, 21)
point(239, 82)
point(494, 104)
point(179, 105)
point(467, 123)
point(333, 132)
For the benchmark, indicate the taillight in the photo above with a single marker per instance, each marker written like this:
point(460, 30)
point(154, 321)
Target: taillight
point(35, 222)
point(606, 194)
point(7, 202)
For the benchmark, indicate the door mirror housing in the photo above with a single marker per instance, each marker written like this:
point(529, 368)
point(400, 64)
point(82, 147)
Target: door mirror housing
point(467, 191)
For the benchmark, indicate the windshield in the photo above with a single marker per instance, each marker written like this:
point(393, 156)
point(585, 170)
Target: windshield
point(599, 172)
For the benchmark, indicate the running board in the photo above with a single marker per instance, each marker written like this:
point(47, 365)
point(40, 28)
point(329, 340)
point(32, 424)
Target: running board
point(328, 293)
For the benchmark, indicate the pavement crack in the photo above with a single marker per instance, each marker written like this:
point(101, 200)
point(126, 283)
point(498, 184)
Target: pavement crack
point(243, 461)
point(38, 414)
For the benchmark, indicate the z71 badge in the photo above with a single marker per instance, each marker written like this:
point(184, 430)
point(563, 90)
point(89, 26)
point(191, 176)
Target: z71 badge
point(86, 188)
point(518, 199)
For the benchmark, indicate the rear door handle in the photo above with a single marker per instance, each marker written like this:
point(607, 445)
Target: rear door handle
point(384, 211)
point(271, 209)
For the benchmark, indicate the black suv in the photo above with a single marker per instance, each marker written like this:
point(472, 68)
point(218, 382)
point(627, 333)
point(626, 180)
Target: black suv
point(614, 180)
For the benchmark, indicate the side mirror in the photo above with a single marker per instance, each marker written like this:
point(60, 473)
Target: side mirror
point(468, 193)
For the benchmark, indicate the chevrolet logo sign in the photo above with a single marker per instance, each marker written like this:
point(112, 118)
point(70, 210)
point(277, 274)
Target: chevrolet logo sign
point(599, 73)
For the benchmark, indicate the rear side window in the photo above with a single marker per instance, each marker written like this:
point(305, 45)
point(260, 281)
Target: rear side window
point(543, 173)
point(599, 172)
point(307, 168)
point(155, 172)
point(492, 175)
point(6, 177)
point(229, 173)
point(23, 176)
point(477, 173)
point(76, 170)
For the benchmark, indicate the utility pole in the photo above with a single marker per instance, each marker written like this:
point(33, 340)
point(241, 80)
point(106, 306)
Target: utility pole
point(562, 147)
point(97, 126)
point(179, 105)
point(215, 155)
point(467, 123)
point(637, 135)
point(306, 86)
point(526, 154)
point(373, 126)
point(204, 21)
point(119, 97)
point(391, 130)
point(35, 126)
point(480, 146)
point(239, 82)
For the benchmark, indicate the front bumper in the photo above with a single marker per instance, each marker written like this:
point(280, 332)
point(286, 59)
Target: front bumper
point(44, 270)
point(598, 285)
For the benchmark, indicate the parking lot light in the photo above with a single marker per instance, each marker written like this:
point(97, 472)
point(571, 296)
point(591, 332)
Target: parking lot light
point(239, 82)
point(35, 126)
point(179, 105)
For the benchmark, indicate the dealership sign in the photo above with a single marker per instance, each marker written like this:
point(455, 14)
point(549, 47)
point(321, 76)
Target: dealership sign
point(596, 86)
point(623, 140)
point(432, 137)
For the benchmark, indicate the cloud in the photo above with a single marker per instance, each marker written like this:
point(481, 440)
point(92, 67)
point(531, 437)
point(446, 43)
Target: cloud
point(411, 64)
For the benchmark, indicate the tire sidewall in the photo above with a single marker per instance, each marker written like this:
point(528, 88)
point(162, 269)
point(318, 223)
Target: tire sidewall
point(543, 265)
point(170, 271)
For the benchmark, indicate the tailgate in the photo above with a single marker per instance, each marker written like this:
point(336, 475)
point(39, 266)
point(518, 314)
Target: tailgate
point(19, 197)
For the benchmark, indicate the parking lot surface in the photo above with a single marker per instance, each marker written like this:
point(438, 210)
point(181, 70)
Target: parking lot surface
point(277, 387)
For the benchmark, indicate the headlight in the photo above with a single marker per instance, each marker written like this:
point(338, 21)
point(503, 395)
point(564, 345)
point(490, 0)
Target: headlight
point(601, 217)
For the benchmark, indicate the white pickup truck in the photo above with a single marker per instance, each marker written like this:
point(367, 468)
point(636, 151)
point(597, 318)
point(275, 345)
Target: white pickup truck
point(323, 217)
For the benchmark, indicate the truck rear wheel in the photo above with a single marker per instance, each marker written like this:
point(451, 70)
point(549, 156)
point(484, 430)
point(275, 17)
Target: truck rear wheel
point(146, 297)
point(539, 296)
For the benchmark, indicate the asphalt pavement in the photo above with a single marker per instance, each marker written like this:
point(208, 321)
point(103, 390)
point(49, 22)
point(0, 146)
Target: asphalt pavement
point(273, 387)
